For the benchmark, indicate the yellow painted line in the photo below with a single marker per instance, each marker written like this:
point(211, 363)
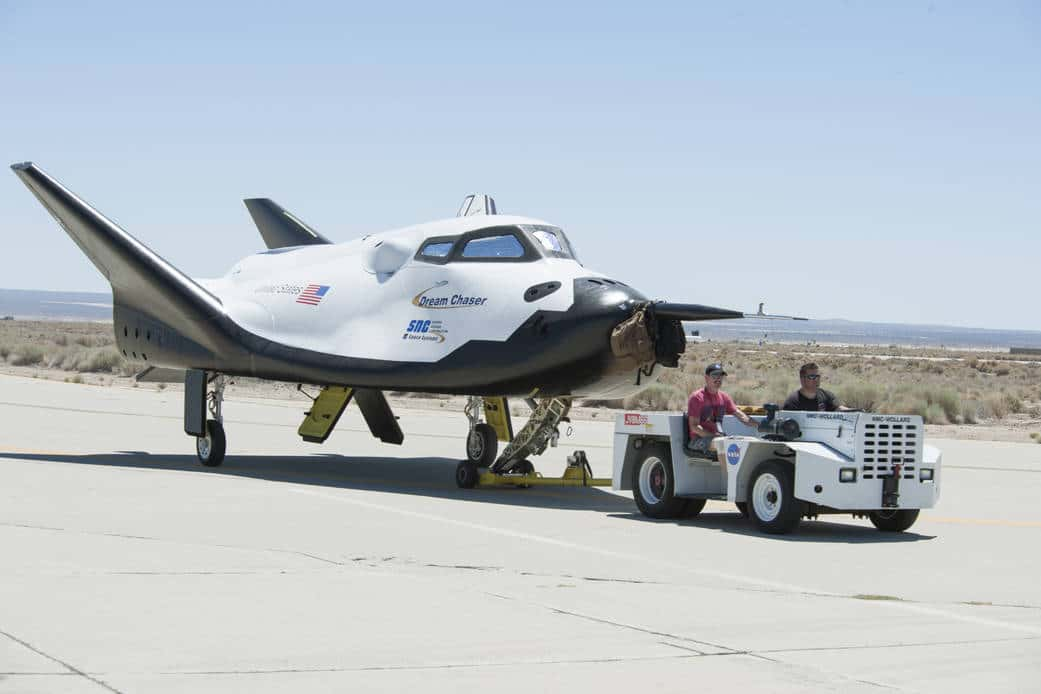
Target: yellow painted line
point(983, 521)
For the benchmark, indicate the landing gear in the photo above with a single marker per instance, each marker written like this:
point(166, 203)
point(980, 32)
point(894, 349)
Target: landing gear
point(210, 448)
point(540, 431)
point(211, 445)
point(482, 443)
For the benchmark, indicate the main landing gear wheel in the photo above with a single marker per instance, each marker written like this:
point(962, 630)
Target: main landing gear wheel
point(771, 498)
point(482, 444)
point(652, 484)
point(466, 475)
point(894, 520)
point(210, 448)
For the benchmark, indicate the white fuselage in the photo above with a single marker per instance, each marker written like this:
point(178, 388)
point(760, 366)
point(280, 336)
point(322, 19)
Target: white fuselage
point(380, 302)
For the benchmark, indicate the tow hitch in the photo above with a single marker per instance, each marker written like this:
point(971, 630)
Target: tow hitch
point(891, 488)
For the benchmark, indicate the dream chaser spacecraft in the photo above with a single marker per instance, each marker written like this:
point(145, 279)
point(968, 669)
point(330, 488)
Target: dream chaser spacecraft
point(485, 305)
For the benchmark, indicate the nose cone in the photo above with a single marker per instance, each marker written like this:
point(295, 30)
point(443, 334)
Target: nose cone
point(606, 297)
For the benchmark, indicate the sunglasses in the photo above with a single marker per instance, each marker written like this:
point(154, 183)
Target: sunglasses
point(812, 377)
point(717, 374)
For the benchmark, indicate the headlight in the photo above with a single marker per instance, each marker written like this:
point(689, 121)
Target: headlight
point(848, 474)
point(925, 474)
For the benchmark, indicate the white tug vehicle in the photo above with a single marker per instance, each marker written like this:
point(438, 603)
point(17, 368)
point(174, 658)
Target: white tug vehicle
point(793, 465)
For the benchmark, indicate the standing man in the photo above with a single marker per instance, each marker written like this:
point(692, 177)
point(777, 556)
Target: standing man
point(810, 396)
point(705, 411)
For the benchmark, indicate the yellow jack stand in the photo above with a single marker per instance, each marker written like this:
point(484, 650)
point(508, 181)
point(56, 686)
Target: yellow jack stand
point(577, 474)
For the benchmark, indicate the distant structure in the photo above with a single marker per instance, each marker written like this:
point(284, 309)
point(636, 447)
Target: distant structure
point(7, 318)
point(1024, 350)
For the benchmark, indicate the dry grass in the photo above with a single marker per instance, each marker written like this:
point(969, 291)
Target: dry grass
point(965, 388)
point(76, 347)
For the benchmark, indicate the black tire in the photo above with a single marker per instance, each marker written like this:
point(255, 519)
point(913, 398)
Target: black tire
point(771, 498)
point(211, 448)
point(693, 507)
point(742, 508)
point(466, 475)
point(482, 445)
point(522, 467)
point(895, 520)
point(652, 482)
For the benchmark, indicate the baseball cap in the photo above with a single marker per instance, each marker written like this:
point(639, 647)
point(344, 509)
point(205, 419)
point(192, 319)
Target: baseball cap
point(715, 367)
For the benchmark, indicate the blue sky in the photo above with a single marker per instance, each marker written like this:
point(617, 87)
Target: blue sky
point(863, 160)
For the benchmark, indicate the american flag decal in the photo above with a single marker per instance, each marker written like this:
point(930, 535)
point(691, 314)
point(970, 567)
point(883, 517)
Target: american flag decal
point(312, 294)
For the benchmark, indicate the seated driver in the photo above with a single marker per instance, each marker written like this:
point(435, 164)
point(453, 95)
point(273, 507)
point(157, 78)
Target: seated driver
point(705, 411)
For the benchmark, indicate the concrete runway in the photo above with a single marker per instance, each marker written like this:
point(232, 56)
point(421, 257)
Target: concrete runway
point(359, 566)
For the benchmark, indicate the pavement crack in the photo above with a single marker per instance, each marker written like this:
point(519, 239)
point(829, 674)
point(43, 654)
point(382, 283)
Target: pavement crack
point(464, 567)
point(880, 646)
point(71, 668)
point(619, 580)
point(642, 630)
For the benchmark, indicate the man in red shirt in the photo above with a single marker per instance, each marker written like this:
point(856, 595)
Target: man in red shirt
point(706, 408)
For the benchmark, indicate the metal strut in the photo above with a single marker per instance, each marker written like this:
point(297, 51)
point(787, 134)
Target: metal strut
point(539, 432)
point(215, 397)
point(472, 410)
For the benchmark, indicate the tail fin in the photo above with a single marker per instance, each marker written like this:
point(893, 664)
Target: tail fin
point(139, 277)
point(280, 228)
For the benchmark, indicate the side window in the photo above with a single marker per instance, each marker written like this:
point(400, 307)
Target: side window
point(505, 246)
point(437, 249)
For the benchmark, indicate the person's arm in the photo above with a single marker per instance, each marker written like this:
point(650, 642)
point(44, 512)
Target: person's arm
point(731, 408)
point(833, 404)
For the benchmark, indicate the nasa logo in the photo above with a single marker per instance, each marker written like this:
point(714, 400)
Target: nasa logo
point(635, 419)
point(733, 453)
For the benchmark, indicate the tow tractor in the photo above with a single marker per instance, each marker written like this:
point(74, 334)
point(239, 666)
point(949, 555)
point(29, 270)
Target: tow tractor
point(790, 466)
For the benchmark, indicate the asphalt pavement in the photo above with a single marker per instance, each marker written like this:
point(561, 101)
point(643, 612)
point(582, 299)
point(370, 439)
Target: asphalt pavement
point(354, 565)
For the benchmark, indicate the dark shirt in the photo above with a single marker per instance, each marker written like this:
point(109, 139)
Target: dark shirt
point(824, 402)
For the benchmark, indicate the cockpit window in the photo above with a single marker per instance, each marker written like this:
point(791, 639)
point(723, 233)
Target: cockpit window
point(437, 249)
point(551, 240)
point(505, 246)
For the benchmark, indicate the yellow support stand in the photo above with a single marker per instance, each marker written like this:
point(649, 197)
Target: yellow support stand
point(577, 474)
point(497, 414)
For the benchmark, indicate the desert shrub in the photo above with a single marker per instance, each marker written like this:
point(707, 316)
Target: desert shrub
point(103, 360)
point(615, 404)
point(1013, 402)
point(860, 396)
point(969, 411)
point(934, 414)
point(658, 396)
point(948, 401)
point(26, 355)
point(994, 407)
point(1036, 436)
point(5, 350)
point(61, 340)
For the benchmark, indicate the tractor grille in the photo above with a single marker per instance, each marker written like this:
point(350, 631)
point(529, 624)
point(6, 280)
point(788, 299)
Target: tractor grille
point(884, 445)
